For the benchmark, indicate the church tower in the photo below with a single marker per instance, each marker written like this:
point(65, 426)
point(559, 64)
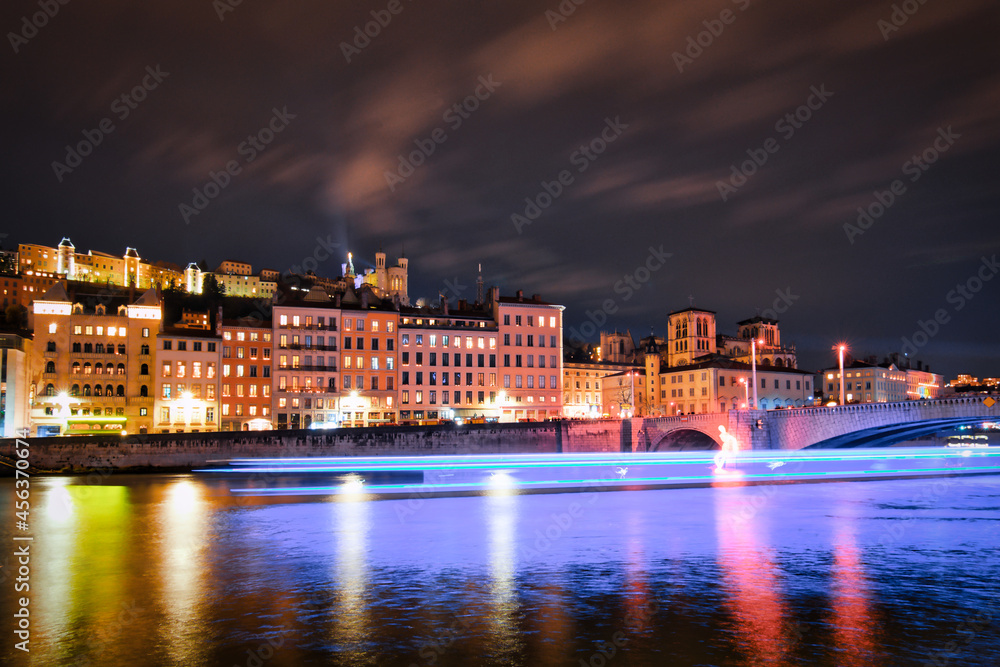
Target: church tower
point(690, 334)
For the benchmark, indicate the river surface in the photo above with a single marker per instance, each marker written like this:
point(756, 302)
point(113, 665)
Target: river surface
point(174, 570)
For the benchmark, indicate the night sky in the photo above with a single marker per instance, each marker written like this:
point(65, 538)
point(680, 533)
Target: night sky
point(678, 115)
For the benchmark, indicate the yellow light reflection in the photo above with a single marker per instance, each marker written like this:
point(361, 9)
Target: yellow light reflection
point(59, 502)
point(86, 529)
point(501, 515)
point(351, 622)
point(182, 514)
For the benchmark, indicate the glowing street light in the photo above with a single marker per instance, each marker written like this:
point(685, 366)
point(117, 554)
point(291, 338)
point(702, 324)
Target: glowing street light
point(753, 361)
point(841, 348)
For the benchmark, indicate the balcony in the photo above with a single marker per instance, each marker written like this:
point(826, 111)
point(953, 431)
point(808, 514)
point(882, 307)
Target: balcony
point(322, 369)
point(322, 348)
point(306, 390)
point(332, 326)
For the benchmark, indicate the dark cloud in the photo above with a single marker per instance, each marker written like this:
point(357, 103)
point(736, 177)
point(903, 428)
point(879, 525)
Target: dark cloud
point(325, 174)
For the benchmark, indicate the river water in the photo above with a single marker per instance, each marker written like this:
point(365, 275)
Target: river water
point(174, 570)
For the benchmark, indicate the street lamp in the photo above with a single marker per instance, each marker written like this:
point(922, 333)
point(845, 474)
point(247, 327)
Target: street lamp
point(753, 361)
point(841, 348)
point(632, 397)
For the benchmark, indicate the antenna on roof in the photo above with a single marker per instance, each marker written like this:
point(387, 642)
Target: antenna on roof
point(479, 286)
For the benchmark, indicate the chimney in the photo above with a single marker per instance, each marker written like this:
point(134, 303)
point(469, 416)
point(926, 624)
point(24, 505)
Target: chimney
point(364, 299)
point(494, 294)
point(520, 295)
point(537, 298)
point(462, 304)
point(444, 305)
point(336, 300)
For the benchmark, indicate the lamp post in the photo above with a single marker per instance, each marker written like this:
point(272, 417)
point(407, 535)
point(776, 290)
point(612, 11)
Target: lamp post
point(841, 349)
point(753, 361)
point(632, 397)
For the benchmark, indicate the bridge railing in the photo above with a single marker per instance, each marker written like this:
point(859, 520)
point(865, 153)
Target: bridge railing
point(681, 419)
point(873, 407)
point(853, 408)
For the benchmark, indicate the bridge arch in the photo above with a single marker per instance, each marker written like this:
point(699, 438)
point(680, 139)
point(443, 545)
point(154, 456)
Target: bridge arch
point(685, 439)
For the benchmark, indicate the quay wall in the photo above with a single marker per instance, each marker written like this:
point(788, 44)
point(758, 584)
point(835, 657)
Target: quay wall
point(185, 451)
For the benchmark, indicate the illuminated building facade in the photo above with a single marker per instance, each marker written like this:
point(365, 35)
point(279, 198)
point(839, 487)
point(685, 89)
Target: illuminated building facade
point(690, 334)
point(245, 393)
point(188, 366)
point(583, 384)
point(305, 360)
point(717, 384)
point(369, 374)
point(91, 363)
point(617, 394)
point(770, 350)
point(64, 262)
point(866, 382)
point(531, 357)
point(448, 364)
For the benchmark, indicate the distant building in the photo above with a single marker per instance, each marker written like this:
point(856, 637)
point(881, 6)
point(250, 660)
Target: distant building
point(623, 394)
point(717, 383)
point(583, 385)
point(15, 385)
point(870, 382)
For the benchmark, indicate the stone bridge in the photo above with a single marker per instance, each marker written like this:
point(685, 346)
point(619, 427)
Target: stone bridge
point(864, 425)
